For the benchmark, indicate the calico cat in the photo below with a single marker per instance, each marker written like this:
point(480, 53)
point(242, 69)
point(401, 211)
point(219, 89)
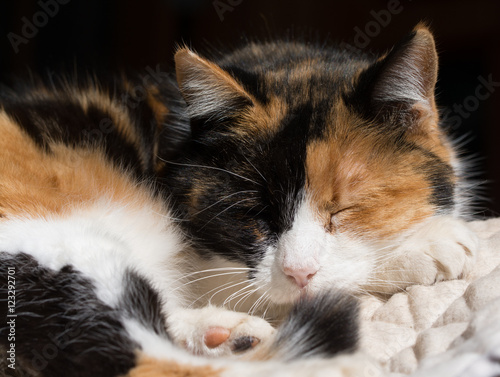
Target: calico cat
point(284, 174)
point(316, 168)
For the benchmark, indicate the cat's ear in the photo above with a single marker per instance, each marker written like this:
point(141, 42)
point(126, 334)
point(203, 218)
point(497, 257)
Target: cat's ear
point(209, 91)
point(405, 79)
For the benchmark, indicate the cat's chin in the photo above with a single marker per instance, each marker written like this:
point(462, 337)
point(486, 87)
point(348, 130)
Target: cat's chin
point(286, 296)
point(280, 290)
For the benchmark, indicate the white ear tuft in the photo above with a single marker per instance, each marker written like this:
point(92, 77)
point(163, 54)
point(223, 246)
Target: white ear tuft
point(409, 72)
point(209, 91)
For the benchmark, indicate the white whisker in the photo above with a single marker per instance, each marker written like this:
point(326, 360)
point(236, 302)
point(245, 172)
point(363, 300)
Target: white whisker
point(218, 290)
point(255, 305)
point(206, 277)
point(245, 297)
point(238, 293)
point(224, 198)
point(257, 170)
point(211, 167)
point(235, 270)
point(224, 210)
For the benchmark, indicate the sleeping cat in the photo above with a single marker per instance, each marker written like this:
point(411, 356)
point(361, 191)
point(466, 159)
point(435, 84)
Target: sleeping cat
point(284, 174)
point(314, 168)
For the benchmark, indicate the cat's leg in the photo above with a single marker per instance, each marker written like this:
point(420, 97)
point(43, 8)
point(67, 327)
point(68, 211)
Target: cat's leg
point(214, 331)
point(442, 248)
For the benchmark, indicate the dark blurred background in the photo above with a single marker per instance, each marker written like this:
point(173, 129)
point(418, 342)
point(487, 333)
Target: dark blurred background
point(44, 35)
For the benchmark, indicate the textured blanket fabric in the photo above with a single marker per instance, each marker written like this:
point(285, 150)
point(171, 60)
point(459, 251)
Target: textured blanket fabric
point(448, 329)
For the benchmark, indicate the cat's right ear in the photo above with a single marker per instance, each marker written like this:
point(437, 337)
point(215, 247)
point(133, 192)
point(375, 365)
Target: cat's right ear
point(209, 91)
point(400, 86)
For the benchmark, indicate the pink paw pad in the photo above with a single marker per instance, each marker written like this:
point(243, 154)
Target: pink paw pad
point(215, 336)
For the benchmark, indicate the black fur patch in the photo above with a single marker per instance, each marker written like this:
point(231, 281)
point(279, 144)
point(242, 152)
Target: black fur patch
point(286, 178)
point(176, 130)
point(61, 329)
point(63, 121)
point(440, 176)
point(244, 202)
point(251, 82)
point(323, 325)
point(141, 302)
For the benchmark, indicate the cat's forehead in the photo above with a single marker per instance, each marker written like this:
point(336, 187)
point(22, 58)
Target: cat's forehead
point(312, 114)
point(312, 82)
point(295, 72)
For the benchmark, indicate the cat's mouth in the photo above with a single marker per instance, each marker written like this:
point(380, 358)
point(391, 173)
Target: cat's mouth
point(290, 292)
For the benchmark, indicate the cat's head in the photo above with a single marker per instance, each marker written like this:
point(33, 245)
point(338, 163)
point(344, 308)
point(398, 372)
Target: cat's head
point(308, 164)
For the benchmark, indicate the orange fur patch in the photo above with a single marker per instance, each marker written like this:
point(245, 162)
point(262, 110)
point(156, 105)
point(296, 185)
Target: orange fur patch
point(117, 112)
point(37, 183)
point(374, 192)
point(260, 120)
point(428, 135)
point(150, 367)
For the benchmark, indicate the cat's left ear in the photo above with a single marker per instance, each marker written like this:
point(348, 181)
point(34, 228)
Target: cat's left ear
point(209, 91)
point(405, 79)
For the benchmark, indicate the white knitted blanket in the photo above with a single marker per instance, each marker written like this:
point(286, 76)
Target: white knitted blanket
point(448, 329)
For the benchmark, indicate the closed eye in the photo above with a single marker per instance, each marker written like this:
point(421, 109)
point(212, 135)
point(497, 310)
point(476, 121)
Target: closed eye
point(336, 217)
point(337, 212)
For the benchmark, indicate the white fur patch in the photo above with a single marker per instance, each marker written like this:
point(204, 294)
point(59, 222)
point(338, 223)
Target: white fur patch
point(403, 82)
point(101, 241)
point(300, 246)
point(345, 261)
point(440, 248)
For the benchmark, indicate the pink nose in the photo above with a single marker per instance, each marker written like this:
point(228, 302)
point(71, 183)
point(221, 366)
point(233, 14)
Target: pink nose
point(301, 275)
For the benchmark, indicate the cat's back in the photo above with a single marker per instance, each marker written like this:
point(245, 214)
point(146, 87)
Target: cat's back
point(67, 143)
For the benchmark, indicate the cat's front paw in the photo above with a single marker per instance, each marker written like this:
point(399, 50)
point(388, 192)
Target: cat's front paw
point(213, 331)
point(451, 246)
point(443, 248)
